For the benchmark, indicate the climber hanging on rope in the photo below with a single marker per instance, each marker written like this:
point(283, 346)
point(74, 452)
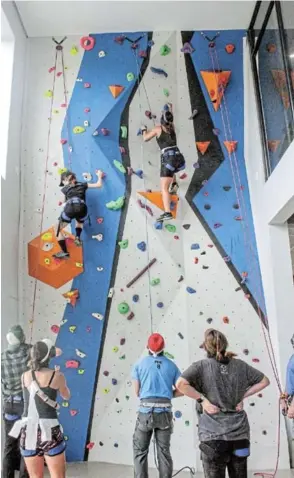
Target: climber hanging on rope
point(172, 161)
point(75, 207)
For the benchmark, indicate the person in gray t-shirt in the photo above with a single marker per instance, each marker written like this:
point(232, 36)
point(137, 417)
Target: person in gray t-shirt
point(219, 385)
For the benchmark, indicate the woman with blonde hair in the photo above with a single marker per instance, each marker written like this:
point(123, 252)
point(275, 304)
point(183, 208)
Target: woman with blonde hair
point(219, 384)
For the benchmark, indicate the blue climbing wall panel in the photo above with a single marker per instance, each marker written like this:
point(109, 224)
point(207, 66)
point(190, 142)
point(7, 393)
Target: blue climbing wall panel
point(91, 153)
point(237, 238)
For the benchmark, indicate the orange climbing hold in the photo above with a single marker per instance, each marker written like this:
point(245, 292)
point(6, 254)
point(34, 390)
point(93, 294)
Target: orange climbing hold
point(156, 199)
point(231, 146)
point(116, 90)
point(273, 145)
point(44, 267)
point(202, 146)
point(279, 77)
point(216, 83)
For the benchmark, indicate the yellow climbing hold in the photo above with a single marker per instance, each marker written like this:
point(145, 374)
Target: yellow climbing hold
point(74, 50)
point(61, 170)
point(56, 112)
point(48, 93)
point(81, 371)
point(65, 404)
point(115, 349)
point(79, 129)
point(106, 390)
point(47, 236)
point(72, 328)
point(47, 261)
point(79, 264)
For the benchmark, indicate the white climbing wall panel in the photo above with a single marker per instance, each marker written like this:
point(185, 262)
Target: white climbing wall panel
point(115, 412)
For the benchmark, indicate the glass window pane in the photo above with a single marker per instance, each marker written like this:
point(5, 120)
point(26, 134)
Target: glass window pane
point(288, 19)
point(260, 18)
point(275, 96)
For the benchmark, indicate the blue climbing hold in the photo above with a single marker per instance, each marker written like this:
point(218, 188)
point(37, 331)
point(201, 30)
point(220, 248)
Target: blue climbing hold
point(158, 71)
point(150, 43)
point(172, 205)
point(178, 414)
point(139, 132)
point(158, 226)
point(139, 173)
point(135, 298)
point(166, 107)
point(190, 290)
point(195, 246)
point(160, 305)
point(114, 381)
point(142, 246)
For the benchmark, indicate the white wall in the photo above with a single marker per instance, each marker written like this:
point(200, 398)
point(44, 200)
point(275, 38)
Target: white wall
point(11, 184)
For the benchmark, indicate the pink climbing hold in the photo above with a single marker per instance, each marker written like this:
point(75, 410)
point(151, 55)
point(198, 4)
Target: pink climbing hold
point(183, 176)
point(87, 110)
point(55, 164)
point(63, 105)
point(72, 364)
point(90, 445)
point(51, 69)
point(143, 54)
point(238, 218)
point(88, 329)
point(100, 220)
point(122, 150)
point(120, 39)
point(217, 225)
point(59, 74)
point(176, 238)
point(105, 131)
point(206, 194)
point(255, 360)
point(73, 413)
point(55, 329)
point(87, 85)
point(63, 141)
point(149, 210)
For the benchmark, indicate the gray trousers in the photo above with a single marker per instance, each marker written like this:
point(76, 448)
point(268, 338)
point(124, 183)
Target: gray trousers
point(161, 424)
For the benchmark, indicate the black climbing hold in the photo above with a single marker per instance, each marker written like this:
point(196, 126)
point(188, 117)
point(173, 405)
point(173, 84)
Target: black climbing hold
point(205, 267)
point(252, 404)
point(180, 335)
point(200, 313)
point(100, 443)
point(202, 253)
point(236, 206)
point(186, 226)
point(117, 400)
point(114, 381)
point(207, 207)
point(264, 432)
point(238, 289)
point(115, 445)
point(106, 373)
point(181, 279)
point(246, 352)
point(227, 188)
point(209, 320)
point(122, 341)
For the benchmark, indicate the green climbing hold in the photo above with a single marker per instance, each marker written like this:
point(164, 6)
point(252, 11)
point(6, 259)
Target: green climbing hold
point(119, 166)
point(164, 50)
point(170, 228)
point(123, 308)
point(168, 355)
point(123, 244)
point(117, 204)
point(74, 50)
point(72, 328)
point(124, 132)
point(49, 93)
point(115, 349)
point(122, 357)
point(127, 397)
point(79, 129)
point(165, 92)
point(155, 281)
point(187, 423)
point(65, 404)
point(81, 371)
point(65, 437)
point(130, 76)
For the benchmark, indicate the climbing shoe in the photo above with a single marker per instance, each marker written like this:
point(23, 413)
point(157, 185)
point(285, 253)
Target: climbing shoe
point(78, 242)
point(167, 216)
point(61, 255)
point(173, 188)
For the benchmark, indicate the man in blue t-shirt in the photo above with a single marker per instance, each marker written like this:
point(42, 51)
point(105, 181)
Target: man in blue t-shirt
point(290, 383)
point(154, 379)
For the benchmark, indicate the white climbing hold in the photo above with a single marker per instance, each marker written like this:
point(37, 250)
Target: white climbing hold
point(63, 321)
point(79, 80)
point(98, 237)
point(87, 176)
point(99, 269)
point(97, 316)
point(86, 123)
point(80, 353)
point(110, 293)
point(101, 54)
point(70, 149)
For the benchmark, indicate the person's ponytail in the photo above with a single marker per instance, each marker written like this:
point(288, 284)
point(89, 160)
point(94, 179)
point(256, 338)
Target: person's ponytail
point(215, 343)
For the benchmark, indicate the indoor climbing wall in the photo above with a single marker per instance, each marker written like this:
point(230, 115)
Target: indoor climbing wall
point(84, 110)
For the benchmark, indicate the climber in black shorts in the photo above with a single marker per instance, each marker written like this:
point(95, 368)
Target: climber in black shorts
point(172, 161)
point(75, 207)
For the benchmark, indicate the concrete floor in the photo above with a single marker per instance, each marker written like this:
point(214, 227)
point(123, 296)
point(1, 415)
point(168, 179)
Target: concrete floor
point(105, 470)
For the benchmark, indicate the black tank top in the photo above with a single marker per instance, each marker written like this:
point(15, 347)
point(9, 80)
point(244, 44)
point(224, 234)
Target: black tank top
point(166, 140)
point(44, 410)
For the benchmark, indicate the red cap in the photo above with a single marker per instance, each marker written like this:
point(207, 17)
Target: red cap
point(156, 343)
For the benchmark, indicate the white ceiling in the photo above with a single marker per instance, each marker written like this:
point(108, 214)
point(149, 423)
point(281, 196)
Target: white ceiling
point(59, 18)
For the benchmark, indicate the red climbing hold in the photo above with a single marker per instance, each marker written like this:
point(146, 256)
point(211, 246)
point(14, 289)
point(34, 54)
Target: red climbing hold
point(273, 145)
point(100, 220)
point(116, 90)
point(87, 110)
point(143, 54)
point(196, 260)
point(72, 364)
point(202, 146)
point(63, 105)
point(176, 238)
point(59, 74)
point(90, 445)
point(231, 146)
point(183, 176)
point(63, 141)
point(226, 320)
point(87, 43)
point(55, 329)
point(230, 48)
point(51, 69)
point(120, 39)
point(73, 413)
point(255, 360)
point(87, 85)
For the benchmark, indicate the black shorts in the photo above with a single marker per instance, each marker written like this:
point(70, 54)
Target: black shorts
point(172, 161)
point(77, 211)
point(54, 447)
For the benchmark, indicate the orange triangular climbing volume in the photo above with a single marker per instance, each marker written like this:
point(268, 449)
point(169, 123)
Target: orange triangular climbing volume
point(216, 83)
point(231, 146)
point(273, 145)
point(279, 77)
point(116, 90)
point(202, 146)
point(156, 199)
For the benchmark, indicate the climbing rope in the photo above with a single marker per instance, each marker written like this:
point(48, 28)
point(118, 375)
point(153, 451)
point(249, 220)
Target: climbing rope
point(247, 242)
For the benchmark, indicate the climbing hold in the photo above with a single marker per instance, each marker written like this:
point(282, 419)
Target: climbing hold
point(47, 261)
point(120, 39)
point(130, 76)
point(238, 289)
point(227, 188)
point(273, 145)
point(187, 423)
point(181, 278)
point(59, 74)
point(160, 305)
point(227, 259)
point(105, 131)
point(190, 290)
point(73, 413)
point(186, 226)
point(216, 131)
point(119, 166)
point(87, 176)
point(140, 173)
point(193, 115)
point(123, 308)
point(178, 414)
point(72, 329)
point(116, 90)
point(86, 123)
point(80, 353)
point(195, 246)
point(170, 228)
point(63, 141)
point(238, 218)
point(55, 329)
point(106, 373)
point(87, 43)
point(165, 92)
point(164, 50)
point(99, 220)
point(48, 93)
point(100, 269)
point(215, 83)
point(98, 237)
point(246, 352)
point(63, 321)
point(187, 48)
point(114, 381)
point(123, 244)
point(74, 50)
point(110, 293)
point(101, 54)
point(155, 281)
point(72, 364)
point(209, 320)
point(135, 298)
point(122, 341)
point(106, 391)
point(255, 360)
point(115, 445)
point(260, 395)
point(131, 316)
point(230, 48)
point(101, 443)
point(202, 146)
point(271, 47)
point(142, 246)
point(168, 355)
point(150, 43)
point(196, 165)
point(181, 335)
point(207, 207)
point(231, 146)
point(196, 260)
point(124, 132)
point(158, 71)
point(90, 445)
point(115, 349)
point(87, 85)
point(236, 206)
point(65, 404)
point(226, 320)
point(87, 110)
point(203, 253)
point(158, 226)
point(134, 45)
point(95, 133)
point(117, 204)
point(97, 316)
point(264, 432)
point(78, 129)
point(217, 225)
